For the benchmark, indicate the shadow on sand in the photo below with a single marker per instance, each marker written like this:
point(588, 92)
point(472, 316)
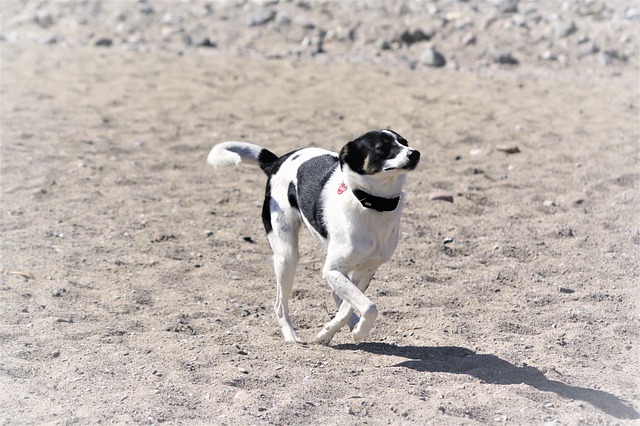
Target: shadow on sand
point(491, 369)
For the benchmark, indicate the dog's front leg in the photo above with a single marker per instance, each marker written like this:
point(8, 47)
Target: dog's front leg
point(355, 299)
point(362, 281)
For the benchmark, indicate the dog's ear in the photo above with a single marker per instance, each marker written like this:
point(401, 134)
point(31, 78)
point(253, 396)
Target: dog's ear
point(352, 156)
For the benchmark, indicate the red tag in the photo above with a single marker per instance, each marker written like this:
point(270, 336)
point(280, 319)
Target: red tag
point(342, 188)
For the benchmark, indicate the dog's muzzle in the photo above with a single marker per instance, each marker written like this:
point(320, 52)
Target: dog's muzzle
point(414, 159)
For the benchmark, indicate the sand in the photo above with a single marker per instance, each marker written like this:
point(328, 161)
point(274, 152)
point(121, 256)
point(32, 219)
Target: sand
point(136, 283)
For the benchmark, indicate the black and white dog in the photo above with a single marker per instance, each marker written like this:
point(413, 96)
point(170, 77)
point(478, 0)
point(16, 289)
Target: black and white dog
point(351, 201)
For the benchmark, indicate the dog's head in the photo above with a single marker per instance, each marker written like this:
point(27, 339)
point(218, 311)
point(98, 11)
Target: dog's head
point(379, 151)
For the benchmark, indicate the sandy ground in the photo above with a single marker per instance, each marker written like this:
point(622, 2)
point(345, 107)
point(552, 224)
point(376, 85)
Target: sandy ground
point(136, 282)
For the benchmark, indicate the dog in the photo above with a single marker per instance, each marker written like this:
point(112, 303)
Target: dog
point(351, 201)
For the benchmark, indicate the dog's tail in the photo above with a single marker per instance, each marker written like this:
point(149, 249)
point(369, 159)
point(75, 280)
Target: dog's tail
point(231, 153)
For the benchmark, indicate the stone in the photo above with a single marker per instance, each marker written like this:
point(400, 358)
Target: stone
point(431, 57)
point(565, 29)
point(262, 17)
point(501, 56)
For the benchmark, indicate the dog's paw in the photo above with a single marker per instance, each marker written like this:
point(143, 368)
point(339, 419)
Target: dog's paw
point(290, 336)
point(324, 337)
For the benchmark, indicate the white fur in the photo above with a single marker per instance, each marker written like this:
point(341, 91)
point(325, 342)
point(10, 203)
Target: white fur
point(231, 153)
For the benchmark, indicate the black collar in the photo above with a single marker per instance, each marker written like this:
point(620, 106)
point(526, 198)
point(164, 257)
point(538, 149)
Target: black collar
point(378, 203)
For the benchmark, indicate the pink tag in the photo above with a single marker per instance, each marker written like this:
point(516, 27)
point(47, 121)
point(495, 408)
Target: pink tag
point(342, 188)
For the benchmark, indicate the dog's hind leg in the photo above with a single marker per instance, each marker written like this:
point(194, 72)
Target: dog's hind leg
point(284, 243)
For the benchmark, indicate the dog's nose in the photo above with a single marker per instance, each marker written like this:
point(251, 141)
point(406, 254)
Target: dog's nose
point(414, 156)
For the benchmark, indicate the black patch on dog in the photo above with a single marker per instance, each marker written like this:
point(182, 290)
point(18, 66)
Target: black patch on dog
point(292, 195)
point(272, 168)
point(266, 208)
point(366, 154)
point(351, 155)
point(266, 159)
point(312, 177)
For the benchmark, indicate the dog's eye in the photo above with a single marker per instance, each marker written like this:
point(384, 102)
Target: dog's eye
point(383, 150)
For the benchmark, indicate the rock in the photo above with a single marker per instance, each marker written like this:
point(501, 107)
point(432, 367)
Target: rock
point(501, 56)
point(44, 18)
point(145, 8)
point(103, 42)
point(411, 36)
point(432, 58)
point(549, 203)
point(383, 44)
point(565, 29)
point(508, 149)
point(507, 6)
point(447, 240)
point(566, 290)
point(469, 39)
point(47, 40)
point(205, 42)
point(441, 196)
point(55, 354)
point(262, 17)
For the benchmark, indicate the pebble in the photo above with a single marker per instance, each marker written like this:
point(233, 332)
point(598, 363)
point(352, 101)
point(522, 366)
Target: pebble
point(507, 6)
point(508, 149)
point(441, 196)
point(104, 42)
point(501, 56)
point(411, 36)
point(243, 370)
point(262, 17)
point(565, 29)
point(447, 240)
point(205, 42)
point(431, 57)
point(469, 39)
point(566, 290)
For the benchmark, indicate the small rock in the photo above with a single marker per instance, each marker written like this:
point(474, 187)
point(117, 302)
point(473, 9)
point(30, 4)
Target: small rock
point(508, 149)
point(103, 42)
point(441, 196)
point(411, 36)
point(507, 6)
point(145, 8)
point(565, 29)
point(47, 40)
point(44, 18)
point(243, 370)
point(549, 203)
point(383, 44)
point(566, 290)
point(205, 42)
point(469, 39)
point(501, 56)
point(447, 240)
point(262, 17)
point(432, 58)
point(55, 354)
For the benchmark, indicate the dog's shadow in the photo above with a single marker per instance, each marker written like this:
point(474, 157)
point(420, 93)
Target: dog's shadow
point(491, 369)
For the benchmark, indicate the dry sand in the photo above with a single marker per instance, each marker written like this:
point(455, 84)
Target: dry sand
point(136, 284)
